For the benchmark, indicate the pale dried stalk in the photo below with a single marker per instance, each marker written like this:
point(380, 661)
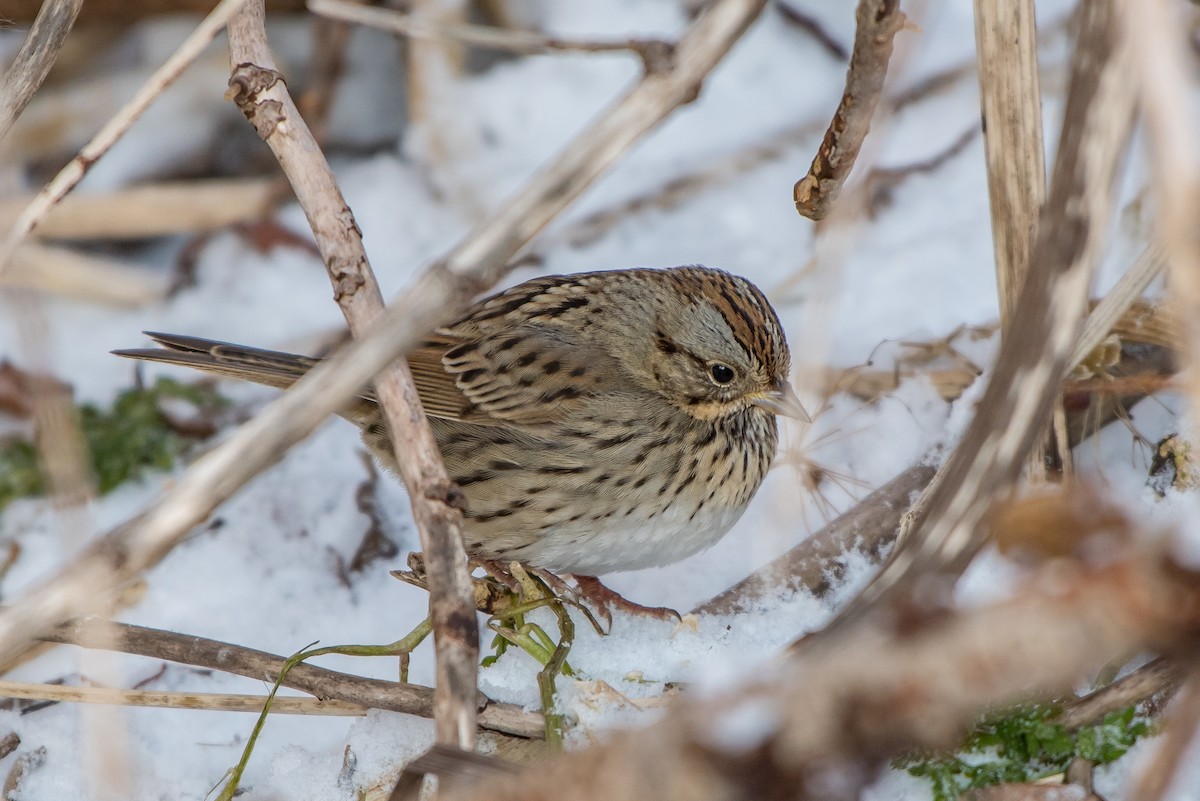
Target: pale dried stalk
point(1033, 360)
point(1119, 300)
point(1163, 76)
point(1006, 53)
point(878, 22)
point(516, 41)
point(70, 176)
point(259, 91)
point(62, 271)
point(442, 291)
point(35, 58)
point(152, 210)
point(217, 702)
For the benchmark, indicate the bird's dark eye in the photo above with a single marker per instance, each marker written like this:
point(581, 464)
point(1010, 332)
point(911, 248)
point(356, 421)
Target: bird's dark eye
point(721, 373)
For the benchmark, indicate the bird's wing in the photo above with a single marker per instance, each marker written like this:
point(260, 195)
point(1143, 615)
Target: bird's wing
point(528, 375)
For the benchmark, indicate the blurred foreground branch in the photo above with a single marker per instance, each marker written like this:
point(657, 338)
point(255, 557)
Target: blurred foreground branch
point(836, 711)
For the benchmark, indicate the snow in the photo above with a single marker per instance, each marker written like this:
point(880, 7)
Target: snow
point(265, 572)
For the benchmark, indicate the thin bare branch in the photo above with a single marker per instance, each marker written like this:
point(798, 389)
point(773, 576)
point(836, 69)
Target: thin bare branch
point(70, 176)
point(878, 23)
point(327, 684)
point(35, 58)
point(217, 702)
point(655, 53)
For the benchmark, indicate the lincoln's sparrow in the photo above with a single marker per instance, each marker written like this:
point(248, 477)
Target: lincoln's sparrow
point(596, 422)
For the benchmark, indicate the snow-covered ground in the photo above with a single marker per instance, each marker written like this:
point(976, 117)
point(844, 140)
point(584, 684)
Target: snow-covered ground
point(268, 577)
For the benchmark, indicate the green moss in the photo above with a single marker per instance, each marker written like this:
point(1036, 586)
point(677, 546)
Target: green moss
point(124, 440)
point(1023, 746)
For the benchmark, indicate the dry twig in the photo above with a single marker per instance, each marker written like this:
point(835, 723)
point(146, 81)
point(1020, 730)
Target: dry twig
point(878, 21)
point(217, 702)
point(35, 58)
point(411, 699)
point(655, 53)
point(1150, 679)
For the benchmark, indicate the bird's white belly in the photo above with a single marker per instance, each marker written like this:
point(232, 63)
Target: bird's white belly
point(634, 544)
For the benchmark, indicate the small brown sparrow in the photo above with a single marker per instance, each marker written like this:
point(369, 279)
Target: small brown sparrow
point(595, 422)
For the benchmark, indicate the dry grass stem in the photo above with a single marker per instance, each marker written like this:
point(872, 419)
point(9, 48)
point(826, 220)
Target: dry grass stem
point(35, 58)
point(259, 91)
point(653, 52)
point(1113, 308)
point(217, 702)
point(70, 176)
point(72, 273)
point(152, 210)
point(1033, 360)
point(1006, 53)
point(878, 22)
point(443, 290)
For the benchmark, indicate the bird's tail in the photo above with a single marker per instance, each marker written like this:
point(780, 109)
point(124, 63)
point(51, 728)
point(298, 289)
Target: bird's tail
point(273, 368)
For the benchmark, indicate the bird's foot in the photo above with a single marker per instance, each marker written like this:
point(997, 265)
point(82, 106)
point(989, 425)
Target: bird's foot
point(591, 590)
